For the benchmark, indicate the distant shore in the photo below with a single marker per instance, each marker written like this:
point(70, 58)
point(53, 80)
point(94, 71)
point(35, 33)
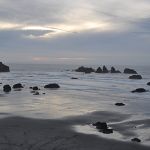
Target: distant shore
point(33, 134)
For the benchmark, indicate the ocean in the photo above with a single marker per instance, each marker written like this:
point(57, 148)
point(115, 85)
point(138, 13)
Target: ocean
point(90, 92)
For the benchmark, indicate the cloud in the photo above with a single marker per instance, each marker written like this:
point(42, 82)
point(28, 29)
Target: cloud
point(65, 29)
point(72, 15)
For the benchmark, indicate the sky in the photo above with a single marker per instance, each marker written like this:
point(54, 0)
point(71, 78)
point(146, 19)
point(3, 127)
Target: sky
point(75, 32)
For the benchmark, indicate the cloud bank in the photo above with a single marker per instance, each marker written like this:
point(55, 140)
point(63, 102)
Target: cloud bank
point(83, 31)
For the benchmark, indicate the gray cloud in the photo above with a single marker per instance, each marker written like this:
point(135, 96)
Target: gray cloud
point(51, 11)
point(77, 29)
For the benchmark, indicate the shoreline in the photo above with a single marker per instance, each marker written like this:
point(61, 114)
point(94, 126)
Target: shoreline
point(46, 134)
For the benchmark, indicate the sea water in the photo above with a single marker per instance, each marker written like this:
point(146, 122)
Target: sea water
point(90, 92)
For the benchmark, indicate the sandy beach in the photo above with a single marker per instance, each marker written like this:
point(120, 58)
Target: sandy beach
point(18, 133)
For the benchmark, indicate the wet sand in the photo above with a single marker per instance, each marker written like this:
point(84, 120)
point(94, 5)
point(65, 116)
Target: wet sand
point(18, 133)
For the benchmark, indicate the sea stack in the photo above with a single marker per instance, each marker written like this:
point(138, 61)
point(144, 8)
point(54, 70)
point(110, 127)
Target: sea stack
point(113, 70)
point(85, 69)
point(4, 68)
point(129, 71)
point(105, 70)
point(99, 70)
point(135, 77)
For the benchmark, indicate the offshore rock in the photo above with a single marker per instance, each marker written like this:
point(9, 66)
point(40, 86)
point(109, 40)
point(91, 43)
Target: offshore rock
point(135, 77)
point(139, 90)
point(85, 69)
point(113, 70)
point(6, 88)
point(35, 88)
point(99, 70)
point(119, 104)
point(148, 83)
point(18, 85)
point(52, 86)
point(105, 70)
point(4, 68)
point(129, 71)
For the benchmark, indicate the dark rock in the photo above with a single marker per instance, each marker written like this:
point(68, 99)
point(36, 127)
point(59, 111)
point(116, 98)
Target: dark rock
point(30, 87)
point(119, 104)
point(129, 71)
point(18, 85)
point(148, 83)
point(135, 140)
point(52, 86)
point(99, 70)
point(107, 131)
point(102, 127)
point(43, 93)
point(105, 70)
point(36, 93)
point(139, 90)
point(135, 77)
point(113, 70)
point(32, 91)
point(4, 68)
point(35, 88)
point(74, 78)
point(7, 88)
point(85, 69)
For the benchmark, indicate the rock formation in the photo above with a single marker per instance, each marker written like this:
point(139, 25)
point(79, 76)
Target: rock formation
point(105, 70)
point(129, 71)
point(139, 90)
point(113, 70)
point(52, 86)
point(4, 68)
point(85, 69)
point(135, 77)
point(136, 140)
point(18, 85)
point(102, 127)
point(148, 83)
point(6, 88)
point(119, 104)
point(99, 70)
